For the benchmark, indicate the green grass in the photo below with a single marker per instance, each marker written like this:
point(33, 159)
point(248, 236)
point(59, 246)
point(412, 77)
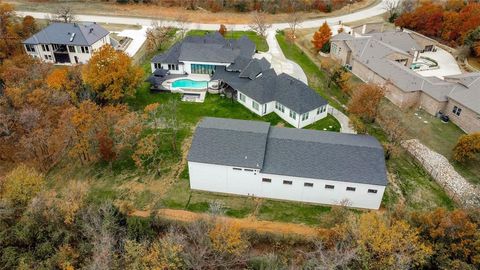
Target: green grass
point(292, 212)
point(417, 188)
point(317, 79)
point(259, 41)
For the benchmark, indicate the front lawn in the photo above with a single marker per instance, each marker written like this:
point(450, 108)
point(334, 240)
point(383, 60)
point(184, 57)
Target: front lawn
point(259, 41)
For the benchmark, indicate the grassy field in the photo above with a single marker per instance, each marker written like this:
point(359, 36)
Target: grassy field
point(412, 186)
point(259, 41)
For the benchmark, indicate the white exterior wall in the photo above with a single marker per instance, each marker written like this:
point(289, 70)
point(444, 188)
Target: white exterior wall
point(224, 179)
point(313, 117)
point(82, 57)
point(248, 104)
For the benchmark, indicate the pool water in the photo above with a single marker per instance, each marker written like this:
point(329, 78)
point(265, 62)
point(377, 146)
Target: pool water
point(190, 84)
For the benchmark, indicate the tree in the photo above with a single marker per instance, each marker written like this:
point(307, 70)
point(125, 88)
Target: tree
point(227, 238)
point(259, 23)
point(106, 146)
point(467, 147)
point(472, 41)
point(22, 184)
point(454, 235)
point(64, 14)
point(389, 244)
point(426, 19)
point(222, 30)
point(157, 36)
point(321, 37)
point(391, 6)
point(294, 18)
point(365, 101)
point(111, 74)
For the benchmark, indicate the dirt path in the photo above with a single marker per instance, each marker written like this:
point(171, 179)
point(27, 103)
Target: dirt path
point(244, 223)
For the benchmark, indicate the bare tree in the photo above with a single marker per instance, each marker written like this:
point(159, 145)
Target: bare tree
point(182, 20)
point(64, 14)
point(295, 18)
point(391, 7)
point(169, 118)
point(337, 257)
point(157, 36)
point(259, 23)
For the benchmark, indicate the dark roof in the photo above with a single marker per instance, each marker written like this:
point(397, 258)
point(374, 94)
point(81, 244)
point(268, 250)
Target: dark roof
point(229, 142)
point(160, 72)
point(325, 155)
point(284, 89)
point(254, 67)
point(239, 64)
point(287, 151)
point(62, 33)
point(208, 48)
point(231, 78)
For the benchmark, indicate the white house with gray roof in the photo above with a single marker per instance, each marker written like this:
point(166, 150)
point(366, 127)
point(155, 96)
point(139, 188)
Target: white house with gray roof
point(67, 43)
point(229, 64)
point(252, 158)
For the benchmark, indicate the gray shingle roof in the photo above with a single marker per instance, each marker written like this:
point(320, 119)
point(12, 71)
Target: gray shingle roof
point(467, 92)
point(285, 89)
point(288, 151)
point(208, 48)
point(61, 33)
point(254, 67)
point(229, 142)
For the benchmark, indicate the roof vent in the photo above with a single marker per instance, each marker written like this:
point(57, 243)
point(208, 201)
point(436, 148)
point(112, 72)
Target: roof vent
point(72, 37)
point(246, 157)
point(91, 30)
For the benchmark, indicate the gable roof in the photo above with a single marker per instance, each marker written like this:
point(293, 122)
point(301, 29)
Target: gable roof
point(229, 142)
point(212, 47)
point(288, 151)
point(467, 92)
point(69, 33)
point(284, 89)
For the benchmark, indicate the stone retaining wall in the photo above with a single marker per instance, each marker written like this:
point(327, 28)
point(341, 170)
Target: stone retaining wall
point(444, 174)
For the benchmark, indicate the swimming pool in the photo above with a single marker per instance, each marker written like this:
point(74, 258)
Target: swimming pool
point(190, 84)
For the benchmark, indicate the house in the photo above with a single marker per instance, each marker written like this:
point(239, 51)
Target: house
point(252, 158)
point(67, 43)
point(390, 59)
point(228, 66)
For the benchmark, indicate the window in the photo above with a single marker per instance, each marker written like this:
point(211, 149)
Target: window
point(84, 49)
point(329, 186)
point(351, 189)
point(202, 69)
point(248, 170)
point(372, 191)
point(324, 108)
point(71, 48)
point(255, 105)
point(266, 180)
point(318, 111)
point(279, 107)
point(286, 182)
point(30, 47)
point(457, 110)
point(293, 114)
point(334, 48)
point(321, 109)
point(308, 184)
point(172, 67)
point(45, 48)
point(157, 65)
point(242, 97)
point(304, 116)
point(46, 57)
point(237, 169)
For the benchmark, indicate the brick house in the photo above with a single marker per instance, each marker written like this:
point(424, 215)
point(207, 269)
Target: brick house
point(386, 58)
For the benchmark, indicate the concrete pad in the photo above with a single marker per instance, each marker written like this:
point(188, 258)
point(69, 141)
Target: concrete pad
point(446, 62)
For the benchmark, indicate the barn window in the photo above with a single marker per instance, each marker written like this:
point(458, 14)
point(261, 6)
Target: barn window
point(286, 182)
point(329, 186)
point(351, 189)
point(266, 180)
point(308, 184)
point(237, 169)
point(372, 191)
point(248, 170)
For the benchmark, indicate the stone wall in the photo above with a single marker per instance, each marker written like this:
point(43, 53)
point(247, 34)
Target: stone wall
point(444, 174)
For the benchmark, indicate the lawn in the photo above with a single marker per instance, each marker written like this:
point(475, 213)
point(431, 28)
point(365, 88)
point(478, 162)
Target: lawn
point(413, 186)
point(259, 41)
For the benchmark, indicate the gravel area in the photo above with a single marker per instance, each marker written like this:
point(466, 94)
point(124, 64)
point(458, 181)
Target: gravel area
point(444, 174)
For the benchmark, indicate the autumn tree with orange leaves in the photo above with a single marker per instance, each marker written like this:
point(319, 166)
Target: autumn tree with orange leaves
point(467, 147)
point(365, 101)
point(321, 37)
point(222, 30)
point(111, 75)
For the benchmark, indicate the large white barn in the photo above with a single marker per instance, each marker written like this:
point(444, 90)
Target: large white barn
point(254, 159)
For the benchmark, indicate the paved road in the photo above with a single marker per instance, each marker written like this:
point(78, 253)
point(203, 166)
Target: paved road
point(355, 16)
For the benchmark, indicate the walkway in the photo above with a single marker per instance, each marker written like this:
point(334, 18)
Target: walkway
point(244, 223)
point(343, 120)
